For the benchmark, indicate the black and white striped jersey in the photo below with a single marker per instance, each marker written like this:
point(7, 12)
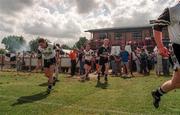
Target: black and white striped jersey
point(48, 52)
point(88, 55)
point(170, 18)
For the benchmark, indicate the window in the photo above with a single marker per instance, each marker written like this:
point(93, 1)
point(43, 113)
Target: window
point(109, 36)
point(151, 33)
point(137, 35)
point(118, 35)
point(102, 35)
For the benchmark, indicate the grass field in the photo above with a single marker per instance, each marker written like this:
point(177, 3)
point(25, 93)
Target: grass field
point(25, 94)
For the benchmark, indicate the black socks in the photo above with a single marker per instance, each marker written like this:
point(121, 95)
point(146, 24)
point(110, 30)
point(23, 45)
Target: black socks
point(49, 86)
point(159, 92)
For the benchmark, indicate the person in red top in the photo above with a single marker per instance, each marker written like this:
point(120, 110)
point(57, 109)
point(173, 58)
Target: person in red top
point(73, 57)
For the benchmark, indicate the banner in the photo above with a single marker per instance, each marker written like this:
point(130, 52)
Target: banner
point(115, 50)
point(128, 48)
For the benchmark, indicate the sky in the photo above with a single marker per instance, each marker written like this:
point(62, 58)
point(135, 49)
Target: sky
point(64, 21)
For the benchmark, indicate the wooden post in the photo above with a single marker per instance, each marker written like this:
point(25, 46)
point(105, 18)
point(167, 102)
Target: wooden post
point(60, 70)
point(2, 62)
point(23, 62)
point(30, 62)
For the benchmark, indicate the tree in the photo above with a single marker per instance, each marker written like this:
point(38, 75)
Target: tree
point(80, 43)
point(13, 43)
point(2, 51)
point(33, 44)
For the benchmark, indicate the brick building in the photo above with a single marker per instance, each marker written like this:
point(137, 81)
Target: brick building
point(120, 36)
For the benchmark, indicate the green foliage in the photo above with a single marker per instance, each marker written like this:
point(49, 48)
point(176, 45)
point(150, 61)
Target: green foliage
point(13, 43)
point(80, 43)
point(33, 44)
point(2, 51)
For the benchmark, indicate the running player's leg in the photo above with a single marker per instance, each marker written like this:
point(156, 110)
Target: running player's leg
point(166, 87)
point(54, 69)
point(173, 83)
point(47, 74)
point(97, 66)
point(88, 71)
point(51, 73)
point(99, 72)
point(56, 72)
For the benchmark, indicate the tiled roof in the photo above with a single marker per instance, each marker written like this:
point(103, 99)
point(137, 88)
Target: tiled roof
point(119, 28)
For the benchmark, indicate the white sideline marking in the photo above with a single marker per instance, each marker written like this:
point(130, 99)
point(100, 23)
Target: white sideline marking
point(71, 106)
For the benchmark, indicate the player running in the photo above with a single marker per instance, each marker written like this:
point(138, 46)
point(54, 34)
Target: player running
point(58, 59)
point(47, 52)
point(103, 53)
point(88, 55)
point(171, 18)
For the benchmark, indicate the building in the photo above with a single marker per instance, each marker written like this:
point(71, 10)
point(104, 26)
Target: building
point(139, 36)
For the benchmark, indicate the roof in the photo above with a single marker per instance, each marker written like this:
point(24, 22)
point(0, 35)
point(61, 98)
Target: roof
point(119, 28)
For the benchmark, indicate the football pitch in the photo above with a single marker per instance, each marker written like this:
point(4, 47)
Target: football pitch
point(25, 94)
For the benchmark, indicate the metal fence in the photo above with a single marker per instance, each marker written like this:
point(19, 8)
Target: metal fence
point(29, 63)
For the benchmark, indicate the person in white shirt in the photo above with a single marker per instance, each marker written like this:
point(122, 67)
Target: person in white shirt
point(58, 59)
point(48, 54)
point(88, 56)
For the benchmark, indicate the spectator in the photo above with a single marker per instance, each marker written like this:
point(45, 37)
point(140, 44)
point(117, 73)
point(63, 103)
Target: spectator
point(165, 64)
point(154, 61)
point(137, 60)
point(73, 57)
point(124, 56)
point(103, 53)
point(118, 67)
point(148, 59)
point(97, 61)
point(113, 64)
point(81, 61)
point(149, 62)
point(143, 58)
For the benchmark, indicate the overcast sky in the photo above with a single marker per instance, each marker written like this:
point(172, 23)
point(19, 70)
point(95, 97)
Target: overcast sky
point(65, 21)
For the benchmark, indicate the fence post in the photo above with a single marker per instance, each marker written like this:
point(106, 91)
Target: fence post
point(2, 62)
point(60, 65)
point(30, 62)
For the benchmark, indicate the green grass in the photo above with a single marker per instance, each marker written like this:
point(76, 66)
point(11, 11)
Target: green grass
point(25, 95)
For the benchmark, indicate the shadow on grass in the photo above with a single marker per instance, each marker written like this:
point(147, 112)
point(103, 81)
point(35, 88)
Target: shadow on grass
point(43, 84)
point(102, 85)
point(30, 99)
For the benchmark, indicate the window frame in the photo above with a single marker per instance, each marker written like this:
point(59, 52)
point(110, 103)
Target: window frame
point(119, 37)
point(136, 36)
point(101, 36)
